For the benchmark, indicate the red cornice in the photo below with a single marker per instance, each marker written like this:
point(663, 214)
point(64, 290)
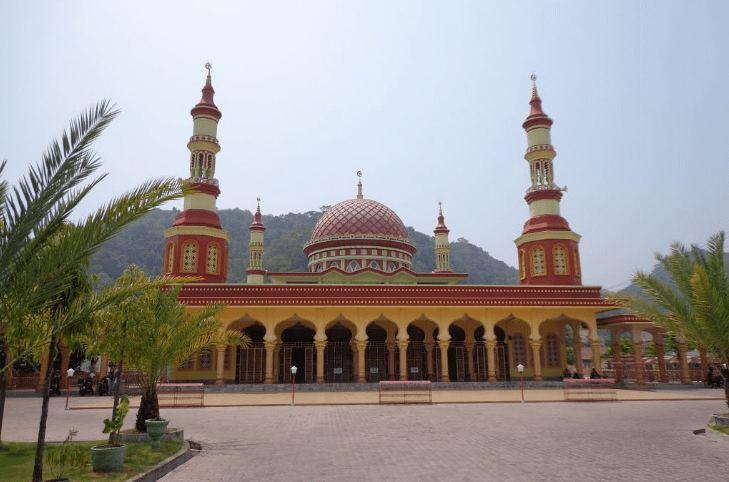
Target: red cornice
point(395, 295)
point(622, 319)
point(304, 275)
point(538, 195)
point(198, 217)
point(205, 188)
point(545, 222)
point(337, 243)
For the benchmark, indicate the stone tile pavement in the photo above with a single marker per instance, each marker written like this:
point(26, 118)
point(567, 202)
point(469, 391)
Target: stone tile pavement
point(601, 441)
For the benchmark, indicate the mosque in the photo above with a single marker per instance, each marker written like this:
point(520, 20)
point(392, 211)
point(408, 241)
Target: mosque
point(360, 314)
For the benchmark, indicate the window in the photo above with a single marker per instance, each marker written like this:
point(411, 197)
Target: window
point(189, 256)
point(560, 259)
point(353, 266)
point(391, 267)
point(187, 365)
point(206, 359)
point(576, 260)
point(335, 264)
point(212, 261)
point(226, 358)
point(552, 351)
point(374, 265)
point(538, 264)
point(170, 257)
point(519, 350)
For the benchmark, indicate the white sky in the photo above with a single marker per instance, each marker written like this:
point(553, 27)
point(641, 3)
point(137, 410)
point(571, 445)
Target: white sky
point(425, 97)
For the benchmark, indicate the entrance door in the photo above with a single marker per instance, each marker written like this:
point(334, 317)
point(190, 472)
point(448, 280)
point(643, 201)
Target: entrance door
point(416, 356)
point(376, 361)
point(302, 357)
point(481, 364)
point(502, 361)
point(457, 362)
point(338, 362)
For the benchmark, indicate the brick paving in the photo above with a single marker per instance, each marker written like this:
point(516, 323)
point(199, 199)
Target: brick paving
point(604, 441)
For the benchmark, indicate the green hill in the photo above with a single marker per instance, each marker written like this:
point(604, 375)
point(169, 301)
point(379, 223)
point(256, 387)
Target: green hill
point(143, 244)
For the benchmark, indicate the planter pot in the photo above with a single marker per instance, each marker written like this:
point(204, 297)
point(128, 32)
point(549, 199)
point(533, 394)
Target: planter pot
point(108, 459)
point(156, 429)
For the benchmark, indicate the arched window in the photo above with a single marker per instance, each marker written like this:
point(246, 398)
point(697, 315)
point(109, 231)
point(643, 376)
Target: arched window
point(559, 253)
point(353, 266)
point(538, 263)
point(519, 350)
point(170, 257)
point(552, 351)
point(319, 268)
point(374, 265)
point(576, 261)
point(189, 257)
point(522, 264)
point(335, 264)
point(226, 358)
point(391, 267)
point(211, 266)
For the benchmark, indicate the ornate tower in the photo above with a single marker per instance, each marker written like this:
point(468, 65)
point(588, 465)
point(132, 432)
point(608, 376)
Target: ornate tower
point(197, 245)
point(442, 246)
point(256, 248)
point(548, 249)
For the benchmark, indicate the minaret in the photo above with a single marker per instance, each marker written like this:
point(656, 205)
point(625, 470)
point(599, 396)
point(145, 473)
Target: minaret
point(548, 249)
point(197, 245)
point(442, 246)
point(256, 248)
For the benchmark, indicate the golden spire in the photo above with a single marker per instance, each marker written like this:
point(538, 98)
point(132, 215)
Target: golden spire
point(359, 185)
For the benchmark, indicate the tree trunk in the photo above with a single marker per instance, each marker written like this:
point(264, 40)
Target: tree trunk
point(3, 392)
point(38, 466)
point(117, 390)
point(725, 374)
point(148, 409)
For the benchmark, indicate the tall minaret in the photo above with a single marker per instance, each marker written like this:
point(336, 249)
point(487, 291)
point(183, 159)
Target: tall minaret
point(256, 249)
point(442, 246)
point(548, 249)
point(197, 245)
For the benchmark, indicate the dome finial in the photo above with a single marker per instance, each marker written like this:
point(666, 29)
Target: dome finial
point(534, 85)
point(208, 66)
point(359, 185)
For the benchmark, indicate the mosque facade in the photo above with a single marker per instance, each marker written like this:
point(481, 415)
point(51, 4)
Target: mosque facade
point(360, 314)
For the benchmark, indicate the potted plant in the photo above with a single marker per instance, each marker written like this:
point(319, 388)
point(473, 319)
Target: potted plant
point(156, 428)
point(110, 458)
point(67, 456)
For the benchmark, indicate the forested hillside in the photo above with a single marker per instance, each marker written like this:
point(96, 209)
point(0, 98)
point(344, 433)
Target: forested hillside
point(143, 244)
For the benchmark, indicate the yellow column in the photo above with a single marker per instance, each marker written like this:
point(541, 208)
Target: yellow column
point(403, 346)
point(617, 358)
point(391, 361)
point(595, 345)
point(704, 360)
point(271, 358)
point(577, 347)
point(220, 367)
point(274, 375)
point(536, 345)
point(469, 353)
point(444, 344)
point(320, 347)
point(638, 359)
point(491, 359)
point(682, 352)
point(361, 365)
point(429, 361)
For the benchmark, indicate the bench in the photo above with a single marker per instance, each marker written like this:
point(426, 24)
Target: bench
point(590, 390)
point(406, 391)
point(172, 395)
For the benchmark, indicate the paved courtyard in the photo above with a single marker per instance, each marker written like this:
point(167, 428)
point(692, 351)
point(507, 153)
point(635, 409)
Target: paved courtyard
point(603, 441)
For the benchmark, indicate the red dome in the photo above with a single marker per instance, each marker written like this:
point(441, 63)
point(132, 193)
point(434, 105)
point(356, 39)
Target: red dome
point(359, 216)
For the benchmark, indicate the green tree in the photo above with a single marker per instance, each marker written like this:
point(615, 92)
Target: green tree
point(152, 331)
point(41, 256)
point(696, 307)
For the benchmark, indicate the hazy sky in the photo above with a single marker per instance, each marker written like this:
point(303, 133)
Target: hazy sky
point(425, 97)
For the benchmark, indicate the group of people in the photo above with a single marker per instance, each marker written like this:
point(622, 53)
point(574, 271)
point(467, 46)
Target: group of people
point(576, 375)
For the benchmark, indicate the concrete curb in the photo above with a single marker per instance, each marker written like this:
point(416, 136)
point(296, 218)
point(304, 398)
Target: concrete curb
point(165, 467)
point(713, 434)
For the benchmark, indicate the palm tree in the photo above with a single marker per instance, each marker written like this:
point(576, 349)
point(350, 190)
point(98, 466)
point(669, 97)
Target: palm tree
point(40, 257)
point(152, 331)
point(697, 307)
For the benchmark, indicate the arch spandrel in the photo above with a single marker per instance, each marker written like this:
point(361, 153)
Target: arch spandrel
point(341, 320)
point(291, 321)
point(513, 324)
point(242, 323)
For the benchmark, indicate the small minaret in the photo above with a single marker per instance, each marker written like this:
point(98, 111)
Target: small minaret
point(197, 245)
point(442, 246)
point(256, 248)
point(548, 248)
